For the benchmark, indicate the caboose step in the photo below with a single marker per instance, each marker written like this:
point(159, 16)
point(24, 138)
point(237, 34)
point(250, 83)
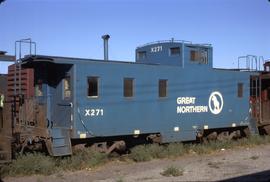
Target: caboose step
point(61, 144)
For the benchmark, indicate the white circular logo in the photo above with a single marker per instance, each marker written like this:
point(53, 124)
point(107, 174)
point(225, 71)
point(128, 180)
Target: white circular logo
point(215, 102)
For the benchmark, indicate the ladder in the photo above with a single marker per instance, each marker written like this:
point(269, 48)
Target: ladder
point(18, 96)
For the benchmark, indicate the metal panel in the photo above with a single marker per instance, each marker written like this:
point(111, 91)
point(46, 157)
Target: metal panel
point(111, 114)
point(27, 82)
point(61, 144)
point(147, 113)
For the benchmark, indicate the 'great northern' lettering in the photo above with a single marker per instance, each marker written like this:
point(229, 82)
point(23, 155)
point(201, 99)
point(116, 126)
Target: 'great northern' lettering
point(187, 105)
point(191, 109)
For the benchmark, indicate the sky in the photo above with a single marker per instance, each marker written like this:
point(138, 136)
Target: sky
point(73, 28)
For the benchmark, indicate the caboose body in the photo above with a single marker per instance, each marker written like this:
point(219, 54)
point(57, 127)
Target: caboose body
point(171, 93)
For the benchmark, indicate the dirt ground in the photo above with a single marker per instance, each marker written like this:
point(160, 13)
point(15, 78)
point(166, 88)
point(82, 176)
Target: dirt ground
point(241, 164)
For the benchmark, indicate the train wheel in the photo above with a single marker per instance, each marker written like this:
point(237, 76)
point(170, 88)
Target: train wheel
point(224, 135)
point(267, 129)
point(210, 137)
point(245, 132)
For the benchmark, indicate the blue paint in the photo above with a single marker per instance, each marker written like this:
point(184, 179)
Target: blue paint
point(145, 111)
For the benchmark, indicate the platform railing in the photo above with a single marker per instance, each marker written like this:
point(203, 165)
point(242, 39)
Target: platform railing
point(251, 63)
point(173, 41)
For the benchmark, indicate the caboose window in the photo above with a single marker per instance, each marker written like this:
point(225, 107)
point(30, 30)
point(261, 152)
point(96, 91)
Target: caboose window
point(141, 54)
point(92, 87)
point(128, 87)
point(67, 88)
point(175, 51)
point(38, 88)
point(240, 89)
point(199, 55)
point(162, 87)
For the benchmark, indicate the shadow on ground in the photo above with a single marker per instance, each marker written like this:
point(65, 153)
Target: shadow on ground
point(260, 176)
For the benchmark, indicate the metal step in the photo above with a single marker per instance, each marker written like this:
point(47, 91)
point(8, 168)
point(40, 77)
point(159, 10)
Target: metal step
point(61, 144)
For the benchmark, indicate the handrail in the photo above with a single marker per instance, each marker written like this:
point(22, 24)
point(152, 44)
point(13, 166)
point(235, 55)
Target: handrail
point(17, 69)
point(172, 41)
point(252, 62)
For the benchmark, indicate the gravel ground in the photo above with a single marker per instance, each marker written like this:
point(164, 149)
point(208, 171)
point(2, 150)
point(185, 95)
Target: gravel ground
point(241, 164)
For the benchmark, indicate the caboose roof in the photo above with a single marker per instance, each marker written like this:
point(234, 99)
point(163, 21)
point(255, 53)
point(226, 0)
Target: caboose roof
point(70, 60)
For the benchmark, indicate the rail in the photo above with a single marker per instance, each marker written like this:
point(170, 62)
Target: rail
point(251, 62)
point(172, 41)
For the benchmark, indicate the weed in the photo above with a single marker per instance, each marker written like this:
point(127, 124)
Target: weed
point(172, 171)
point(175, 150)
point(87, 158)
point(255, 157)
point(29, 164)
point(81, 159)
point(155, 151)
point(140, 154)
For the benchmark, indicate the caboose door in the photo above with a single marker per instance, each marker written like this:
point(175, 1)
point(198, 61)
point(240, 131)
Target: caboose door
point(62, 113)
point(63, 103)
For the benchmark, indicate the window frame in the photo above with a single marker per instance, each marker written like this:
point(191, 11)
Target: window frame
point(132, 87)
point(199, 55)
point(141, 53)
point(160, 88)
point(64, 89)
point(97, 87)
point(39, 88)
point(178, 54)
point(240, 90)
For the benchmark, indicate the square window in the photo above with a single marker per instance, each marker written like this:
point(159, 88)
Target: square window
point(175, 51)
point(141, 54)
point(199, 55)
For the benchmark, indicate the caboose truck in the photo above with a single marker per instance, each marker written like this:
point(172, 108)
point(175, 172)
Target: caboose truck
point(170, 94)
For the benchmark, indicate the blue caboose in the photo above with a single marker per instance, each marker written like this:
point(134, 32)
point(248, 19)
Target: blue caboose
point(171, 93)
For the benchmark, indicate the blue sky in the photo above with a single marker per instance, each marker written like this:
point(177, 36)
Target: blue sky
point(74, 27)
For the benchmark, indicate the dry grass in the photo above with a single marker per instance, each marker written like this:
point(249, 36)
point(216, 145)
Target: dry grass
point(172, 171)
point(36, 163)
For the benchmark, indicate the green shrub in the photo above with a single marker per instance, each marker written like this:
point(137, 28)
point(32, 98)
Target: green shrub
point(81, 159)
point(37, 163)
point(139, 154)
point(176, 150)
point(256, 140)
point(155, 151)
point(31, 163)
point(172, 171)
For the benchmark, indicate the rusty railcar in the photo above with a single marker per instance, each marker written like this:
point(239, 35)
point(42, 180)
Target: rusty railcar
point(5, 125)
point(260, 99)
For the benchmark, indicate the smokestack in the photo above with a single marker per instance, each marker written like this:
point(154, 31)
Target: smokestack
point(106, 46)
